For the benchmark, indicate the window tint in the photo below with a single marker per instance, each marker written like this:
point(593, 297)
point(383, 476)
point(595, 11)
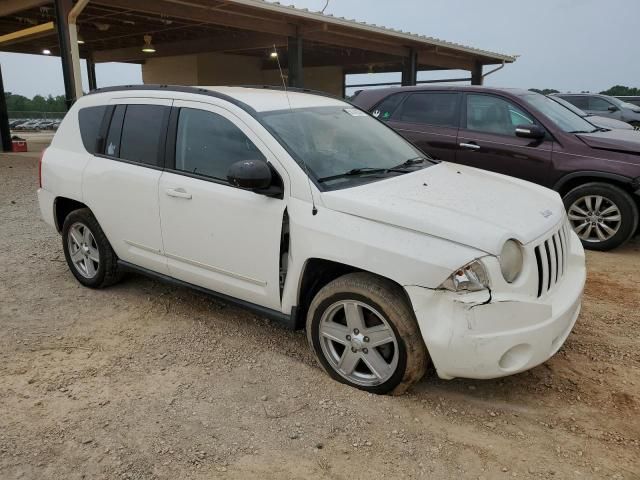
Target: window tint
point(385, 109)
point(599, 104)
point(112, 145)
point(141, 133)
point(430, 108)
point(579, 101)
point(90, 120)
point(207, 144)
point(486, 113)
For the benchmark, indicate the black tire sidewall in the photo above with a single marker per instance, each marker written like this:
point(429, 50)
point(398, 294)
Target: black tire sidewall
point(623, 201)
point(397, 376)
point(86, 218)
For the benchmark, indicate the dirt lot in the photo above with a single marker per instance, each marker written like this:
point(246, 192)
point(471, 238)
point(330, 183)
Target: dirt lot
point(144, 380)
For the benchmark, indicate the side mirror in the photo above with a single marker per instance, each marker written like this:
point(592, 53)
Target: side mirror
point(254, 175)
point(613, 108)
point(530, 131)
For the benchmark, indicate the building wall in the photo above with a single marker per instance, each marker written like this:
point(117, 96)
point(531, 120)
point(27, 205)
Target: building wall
point(220, 69)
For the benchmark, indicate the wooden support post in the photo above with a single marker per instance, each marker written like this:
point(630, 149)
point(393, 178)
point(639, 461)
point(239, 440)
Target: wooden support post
point(476, 74)
point(5, 131)
point(410, 70)
point(91, 74)
point(63, 7)
point(295, 62)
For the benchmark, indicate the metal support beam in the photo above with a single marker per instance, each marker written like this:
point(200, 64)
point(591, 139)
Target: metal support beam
point(294, 50)
point(63, 7)
point(410, 70)
point(5, 132)
point(476, 74)
point(91, 74)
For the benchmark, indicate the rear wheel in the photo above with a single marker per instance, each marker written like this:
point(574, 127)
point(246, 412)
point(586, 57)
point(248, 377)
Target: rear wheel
point(87, 250)
point(635, 125)
point(364, 334)
point(603, 215)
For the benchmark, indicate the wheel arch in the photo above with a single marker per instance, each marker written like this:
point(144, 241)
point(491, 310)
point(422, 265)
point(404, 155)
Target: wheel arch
point(572, 180)
point(318, 272)
point(62, 207)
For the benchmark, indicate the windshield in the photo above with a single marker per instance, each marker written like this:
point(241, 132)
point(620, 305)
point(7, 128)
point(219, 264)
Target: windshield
point(623, 104)
point(341, 146)
point(564, 118)
point(570, 106)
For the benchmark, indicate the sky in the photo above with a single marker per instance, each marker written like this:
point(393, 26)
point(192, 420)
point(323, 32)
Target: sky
point(569, 45)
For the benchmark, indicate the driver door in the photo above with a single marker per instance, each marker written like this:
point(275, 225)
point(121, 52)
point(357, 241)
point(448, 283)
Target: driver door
point(487, 139)
point(215, 235)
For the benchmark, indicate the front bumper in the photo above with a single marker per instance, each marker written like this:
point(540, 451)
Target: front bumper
point(474, 336)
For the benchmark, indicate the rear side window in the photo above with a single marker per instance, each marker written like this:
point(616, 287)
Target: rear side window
point(112, 145)
point(430, 108)
point(90, 120)
point(388, 106)
point(581, 102)
point(207, 144)
point(142, 132)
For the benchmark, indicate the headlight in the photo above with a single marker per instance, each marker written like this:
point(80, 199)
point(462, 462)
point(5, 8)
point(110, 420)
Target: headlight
point(470, 278)
point(511, 260)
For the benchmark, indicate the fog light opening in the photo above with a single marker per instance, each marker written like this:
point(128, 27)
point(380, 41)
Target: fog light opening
point(515, 358)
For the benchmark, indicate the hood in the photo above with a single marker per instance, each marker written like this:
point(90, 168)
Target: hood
point(473, 207)
point(627, 141)
point(605, 122)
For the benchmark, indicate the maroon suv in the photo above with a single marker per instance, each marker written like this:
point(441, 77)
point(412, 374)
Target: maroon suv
point(529, 136)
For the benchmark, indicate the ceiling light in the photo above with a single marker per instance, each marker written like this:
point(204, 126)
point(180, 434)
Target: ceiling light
point(148, 46)
point(274, 55)
point(46, 51)
point(80, 40)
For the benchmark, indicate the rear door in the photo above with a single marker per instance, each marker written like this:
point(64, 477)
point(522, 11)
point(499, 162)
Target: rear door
point(487, 139)
point(429, 120)
point(120, 183)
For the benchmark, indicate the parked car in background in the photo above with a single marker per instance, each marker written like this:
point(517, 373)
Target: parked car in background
point(605, 106)
point(529, 136)
point(397, 260)
point(597, 120)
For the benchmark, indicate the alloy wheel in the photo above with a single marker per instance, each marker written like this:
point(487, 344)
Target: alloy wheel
point(358, 343)
point(595, 218)
point(83, 250)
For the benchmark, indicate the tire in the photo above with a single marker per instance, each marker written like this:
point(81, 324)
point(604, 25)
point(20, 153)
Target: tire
point(635, 125)
point(597, 229)
point(384, 308)
point(87, 250)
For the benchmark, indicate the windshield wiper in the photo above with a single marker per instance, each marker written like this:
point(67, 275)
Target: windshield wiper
point(585, 131)
point(409, 163)
point(354, 172)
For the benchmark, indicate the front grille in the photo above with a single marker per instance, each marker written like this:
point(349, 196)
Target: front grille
point(551, 258)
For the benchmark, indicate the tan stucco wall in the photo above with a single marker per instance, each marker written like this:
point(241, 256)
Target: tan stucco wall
point(220, 69)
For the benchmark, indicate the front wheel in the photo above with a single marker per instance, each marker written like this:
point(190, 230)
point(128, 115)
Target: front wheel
point(364, 334)
point(603, 215)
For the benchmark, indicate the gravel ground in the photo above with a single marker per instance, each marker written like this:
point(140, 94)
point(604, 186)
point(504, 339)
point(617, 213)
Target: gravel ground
point(144, 380)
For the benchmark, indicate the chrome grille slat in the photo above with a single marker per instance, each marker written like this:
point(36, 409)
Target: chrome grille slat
point(551, 258)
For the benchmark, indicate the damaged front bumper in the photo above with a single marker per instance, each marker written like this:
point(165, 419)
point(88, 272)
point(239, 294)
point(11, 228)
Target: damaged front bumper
point(494, 334)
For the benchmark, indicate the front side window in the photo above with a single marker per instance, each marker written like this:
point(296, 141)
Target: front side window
point(489, 114)
point(564, 118)
point(207, 144)
point(598, 104)
point(338, 145)
point(430, 108)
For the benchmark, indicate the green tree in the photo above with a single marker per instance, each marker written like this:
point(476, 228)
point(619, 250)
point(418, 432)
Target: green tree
point(545, 91)
point(621, 90)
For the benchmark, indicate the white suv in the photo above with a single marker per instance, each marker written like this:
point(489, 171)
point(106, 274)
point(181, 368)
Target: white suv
point(315, 214)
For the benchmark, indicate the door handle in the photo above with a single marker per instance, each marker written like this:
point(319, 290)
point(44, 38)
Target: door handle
point(470, 146)
point(178, 193)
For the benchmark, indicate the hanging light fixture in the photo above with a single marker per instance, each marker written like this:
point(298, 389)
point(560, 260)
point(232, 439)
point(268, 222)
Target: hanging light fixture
point(274, 54)
point(80, 40)
point(46, 51)
point(148, 46)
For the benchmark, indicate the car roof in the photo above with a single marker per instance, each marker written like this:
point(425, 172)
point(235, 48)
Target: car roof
point(258, 99)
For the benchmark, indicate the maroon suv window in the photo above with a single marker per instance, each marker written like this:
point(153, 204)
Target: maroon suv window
point(430, 108)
